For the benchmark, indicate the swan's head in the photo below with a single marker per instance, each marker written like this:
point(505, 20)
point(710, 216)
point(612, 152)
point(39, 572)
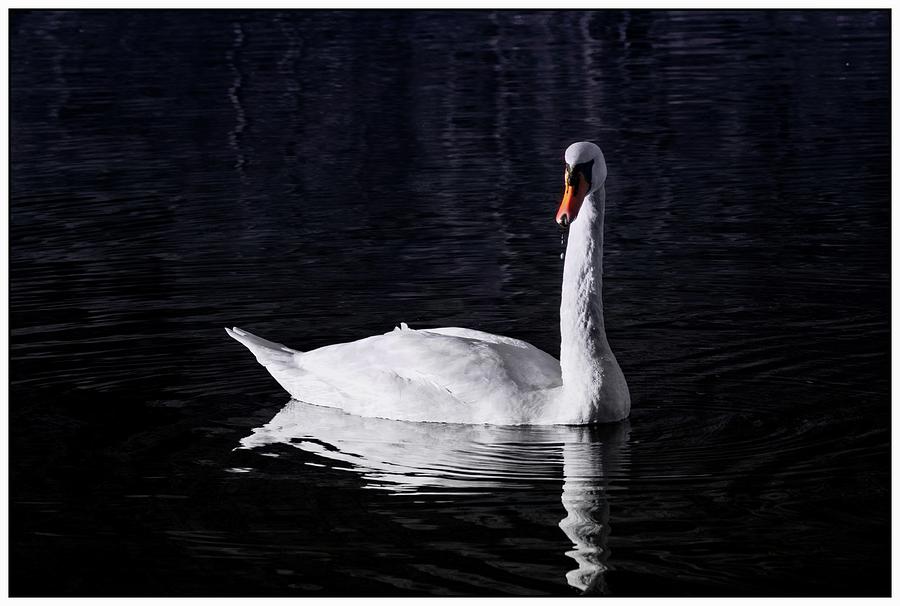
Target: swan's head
point(585, 173)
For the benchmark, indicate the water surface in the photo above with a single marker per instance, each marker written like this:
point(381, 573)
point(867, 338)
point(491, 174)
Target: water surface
point(318, 177)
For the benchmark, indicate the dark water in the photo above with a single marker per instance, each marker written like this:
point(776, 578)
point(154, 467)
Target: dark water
point(319, 177)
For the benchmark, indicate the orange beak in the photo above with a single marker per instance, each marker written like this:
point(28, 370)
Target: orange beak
point(571, 202)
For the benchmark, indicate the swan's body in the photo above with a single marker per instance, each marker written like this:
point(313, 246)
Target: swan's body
point(451, 375)
point(457, 375)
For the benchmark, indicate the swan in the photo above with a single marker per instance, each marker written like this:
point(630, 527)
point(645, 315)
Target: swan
point(460, 375)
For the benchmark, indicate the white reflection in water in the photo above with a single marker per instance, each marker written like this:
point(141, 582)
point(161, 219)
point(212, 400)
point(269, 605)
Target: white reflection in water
point(439, 458)
point(587, 522)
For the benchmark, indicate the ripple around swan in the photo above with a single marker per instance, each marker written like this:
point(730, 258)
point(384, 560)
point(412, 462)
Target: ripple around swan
point(611, 483)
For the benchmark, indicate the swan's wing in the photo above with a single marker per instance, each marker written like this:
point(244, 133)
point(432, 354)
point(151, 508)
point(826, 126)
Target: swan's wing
point(527, 365)
point(422, 375)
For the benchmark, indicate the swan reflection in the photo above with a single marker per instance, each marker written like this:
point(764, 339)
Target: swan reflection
point(587, 522)
point(433, 458)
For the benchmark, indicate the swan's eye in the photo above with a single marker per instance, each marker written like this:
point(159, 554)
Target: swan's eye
point(585, 168)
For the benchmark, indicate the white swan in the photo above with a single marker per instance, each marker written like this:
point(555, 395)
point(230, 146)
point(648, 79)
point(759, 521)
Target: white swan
point(458, 375)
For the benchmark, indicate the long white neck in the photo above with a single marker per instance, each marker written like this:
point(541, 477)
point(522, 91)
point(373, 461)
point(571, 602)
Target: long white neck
point(594, 388)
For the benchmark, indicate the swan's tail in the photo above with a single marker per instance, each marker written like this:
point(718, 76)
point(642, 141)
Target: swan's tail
point(266, 352)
